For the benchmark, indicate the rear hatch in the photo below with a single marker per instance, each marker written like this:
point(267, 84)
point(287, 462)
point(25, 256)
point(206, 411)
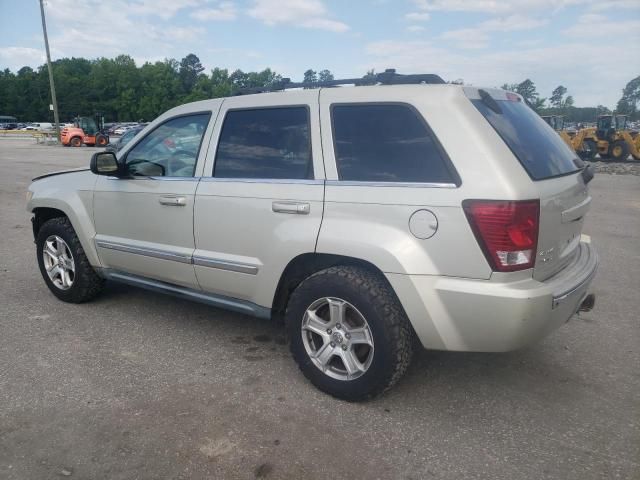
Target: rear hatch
point(555, 169)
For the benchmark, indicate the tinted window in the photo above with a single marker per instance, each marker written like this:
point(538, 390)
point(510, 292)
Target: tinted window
point(265, 143)
point(386, 143)
point(171, 149)
point(540, 150)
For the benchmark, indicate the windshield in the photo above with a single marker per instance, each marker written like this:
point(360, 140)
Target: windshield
point(540, 150)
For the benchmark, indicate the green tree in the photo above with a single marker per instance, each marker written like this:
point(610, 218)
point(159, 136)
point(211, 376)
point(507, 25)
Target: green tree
point(557, 96)
point(190, 69)
point(628, 103)
point(527, 89)
point(325, 76)
point(310, 76)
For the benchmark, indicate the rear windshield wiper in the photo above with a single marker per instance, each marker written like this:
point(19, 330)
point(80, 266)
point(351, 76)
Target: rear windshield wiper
point(489, 101)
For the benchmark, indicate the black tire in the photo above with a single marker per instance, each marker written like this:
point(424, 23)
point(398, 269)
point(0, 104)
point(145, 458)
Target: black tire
point(86, 283)
point(619, 151)
point(392, 334)
point(589, 149)
point(101, 140)
point(75, 142)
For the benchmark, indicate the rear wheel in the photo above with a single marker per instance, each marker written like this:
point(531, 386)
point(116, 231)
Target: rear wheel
point(101, 140)
point(63, 263)
point(589, 149)
point(349, 333)
point(619, 150)
point(76, 142)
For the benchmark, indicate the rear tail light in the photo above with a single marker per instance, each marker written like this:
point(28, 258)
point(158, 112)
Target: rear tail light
point(507, 231)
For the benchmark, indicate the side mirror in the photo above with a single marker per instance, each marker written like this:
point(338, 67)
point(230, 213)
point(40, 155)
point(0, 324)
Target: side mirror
point(105, 163)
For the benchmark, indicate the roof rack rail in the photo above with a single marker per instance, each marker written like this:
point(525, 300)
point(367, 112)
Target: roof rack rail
point(388, 77)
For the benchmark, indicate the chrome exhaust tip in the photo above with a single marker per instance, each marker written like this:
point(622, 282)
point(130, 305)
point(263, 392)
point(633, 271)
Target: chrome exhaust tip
point(588, 303)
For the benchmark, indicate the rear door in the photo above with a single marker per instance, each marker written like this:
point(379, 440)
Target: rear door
point(552, 166)
point(260, 201)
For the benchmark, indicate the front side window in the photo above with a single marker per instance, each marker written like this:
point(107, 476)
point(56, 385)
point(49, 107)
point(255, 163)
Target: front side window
point(386, 143)
point(170, 150)
point(267, 143)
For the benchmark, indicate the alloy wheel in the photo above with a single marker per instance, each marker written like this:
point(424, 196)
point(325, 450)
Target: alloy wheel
point(58, 262)
point(337, 338)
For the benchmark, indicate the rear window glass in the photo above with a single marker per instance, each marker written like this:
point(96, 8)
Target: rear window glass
point(540, 150)
point(386, 143)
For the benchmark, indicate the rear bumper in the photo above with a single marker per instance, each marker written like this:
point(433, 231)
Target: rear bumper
point(493, 316)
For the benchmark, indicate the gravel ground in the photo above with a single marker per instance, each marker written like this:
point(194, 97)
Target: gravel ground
point(137, 385)
point(630, 167)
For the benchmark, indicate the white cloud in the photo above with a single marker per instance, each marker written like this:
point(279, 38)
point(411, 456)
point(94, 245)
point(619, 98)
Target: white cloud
point(225, 11)
point(613, 5)
point(590, 83)
point(417, 16)
point(161, 8)
point(594, 24)
point(415, 28)
point(140, 29)
point(15, 58)
point(496, 6)
point(478, 37)
point(300, 13)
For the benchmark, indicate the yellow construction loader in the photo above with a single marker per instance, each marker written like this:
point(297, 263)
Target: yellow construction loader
point(583, 142)
point(614, 141)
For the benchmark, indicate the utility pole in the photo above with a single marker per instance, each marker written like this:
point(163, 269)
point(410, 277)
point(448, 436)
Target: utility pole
point(56, 118)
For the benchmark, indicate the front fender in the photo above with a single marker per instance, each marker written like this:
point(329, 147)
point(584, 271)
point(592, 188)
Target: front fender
point(72, 194)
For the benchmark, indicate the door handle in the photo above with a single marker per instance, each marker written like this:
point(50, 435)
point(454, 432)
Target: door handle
point(299, 208)
point(173, 200)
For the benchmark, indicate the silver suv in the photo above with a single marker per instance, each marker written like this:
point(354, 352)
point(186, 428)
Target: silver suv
point(365, 217)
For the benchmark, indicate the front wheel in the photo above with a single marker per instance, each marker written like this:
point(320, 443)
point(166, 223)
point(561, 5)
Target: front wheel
point(589, 149)
point(63, 263)
point(349, 333)
point(619, 150)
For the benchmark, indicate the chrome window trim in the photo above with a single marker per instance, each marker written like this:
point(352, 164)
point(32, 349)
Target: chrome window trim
point(169, 179)
point(147, 252)
point(355, 183)
point(299, 181)
point(225, 265)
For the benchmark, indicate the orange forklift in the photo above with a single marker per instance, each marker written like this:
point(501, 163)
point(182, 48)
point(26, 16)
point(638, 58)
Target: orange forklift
point(86, 130)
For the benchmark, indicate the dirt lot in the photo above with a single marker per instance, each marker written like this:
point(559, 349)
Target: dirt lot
point(139, 385)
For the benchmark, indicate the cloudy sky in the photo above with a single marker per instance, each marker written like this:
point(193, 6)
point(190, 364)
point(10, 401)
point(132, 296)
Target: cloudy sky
point(590, 46)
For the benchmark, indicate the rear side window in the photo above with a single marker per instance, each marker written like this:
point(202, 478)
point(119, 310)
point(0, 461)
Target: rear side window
point(387, 143)
point(269, 143)
point(540, 150)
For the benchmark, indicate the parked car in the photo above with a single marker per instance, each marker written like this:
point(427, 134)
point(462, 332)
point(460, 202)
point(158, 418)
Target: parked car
point(355, 214)
point(119, 143)
point(39, 126)
point(123, 129)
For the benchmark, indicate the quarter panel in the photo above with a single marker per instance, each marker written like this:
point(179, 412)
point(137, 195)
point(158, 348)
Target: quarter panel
point(380, 234)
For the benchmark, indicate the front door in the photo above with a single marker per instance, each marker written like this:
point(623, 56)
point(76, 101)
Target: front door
point(144, 223)
point(260, 201)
